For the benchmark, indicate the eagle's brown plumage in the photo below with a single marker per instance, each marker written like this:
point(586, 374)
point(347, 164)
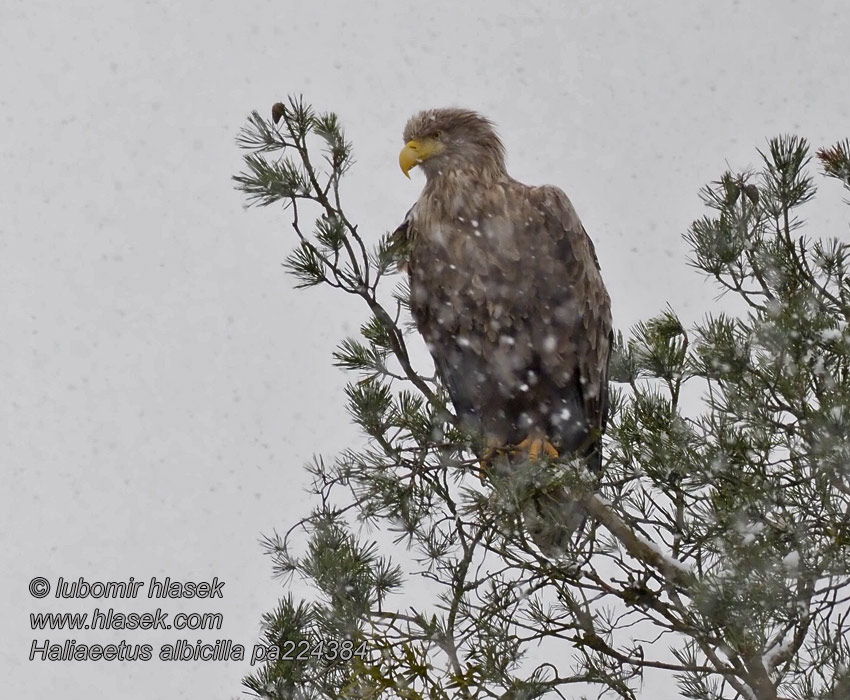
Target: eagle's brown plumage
point(506, 290)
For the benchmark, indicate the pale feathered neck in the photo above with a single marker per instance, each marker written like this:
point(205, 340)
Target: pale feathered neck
point(461, 192)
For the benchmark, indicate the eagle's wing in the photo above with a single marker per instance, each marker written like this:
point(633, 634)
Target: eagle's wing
point(400, 240)
point(583, 341)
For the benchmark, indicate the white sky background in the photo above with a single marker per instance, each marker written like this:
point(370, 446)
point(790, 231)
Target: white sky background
point(162, 384)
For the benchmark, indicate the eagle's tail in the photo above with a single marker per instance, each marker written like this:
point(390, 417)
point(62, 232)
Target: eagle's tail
point(555, 518)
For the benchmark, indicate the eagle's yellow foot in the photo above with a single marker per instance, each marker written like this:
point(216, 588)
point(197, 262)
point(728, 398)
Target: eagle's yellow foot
point(535, 446)
point(486, 462)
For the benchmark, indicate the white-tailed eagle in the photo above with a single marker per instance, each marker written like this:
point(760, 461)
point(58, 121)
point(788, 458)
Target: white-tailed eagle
point(507, 292)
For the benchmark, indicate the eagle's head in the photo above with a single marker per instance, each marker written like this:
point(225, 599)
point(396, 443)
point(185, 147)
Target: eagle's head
point(446, 140)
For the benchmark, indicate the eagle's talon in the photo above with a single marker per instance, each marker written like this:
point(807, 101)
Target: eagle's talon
point(491, 454)
point(484, 468)
point(536, 445)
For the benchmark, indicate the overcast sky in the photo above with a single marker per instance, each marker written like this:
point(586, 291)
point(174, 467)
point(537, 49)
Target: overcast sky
point(162, 384)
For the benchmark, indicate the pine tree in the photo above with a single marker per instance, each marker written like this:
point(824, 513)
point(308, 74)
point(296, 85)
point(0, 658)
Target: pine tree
point(716, 545)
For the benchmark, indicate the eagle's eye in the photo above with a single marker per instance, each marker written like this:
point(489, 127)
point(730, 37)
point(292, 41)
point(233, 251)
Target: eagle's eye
point(438, 134)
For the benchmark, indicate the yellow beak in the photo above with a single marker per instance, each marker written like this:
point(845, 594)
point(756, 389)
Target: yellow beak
point(415, 152)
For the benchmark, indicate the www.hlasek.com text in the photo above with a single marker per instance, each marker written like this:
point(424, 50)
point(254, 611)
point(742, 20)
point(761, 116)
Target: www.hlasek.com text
point(110, 619)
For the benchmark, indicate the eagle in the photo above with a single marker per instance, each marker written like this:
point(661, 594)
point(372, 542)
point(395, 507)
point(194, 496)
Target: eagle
point(506, 290)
